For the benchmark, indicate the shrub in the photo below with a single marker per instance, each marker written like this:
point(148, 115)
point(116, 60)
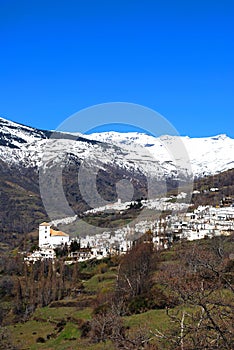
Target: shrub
point(85, 329)
point(139, 304)
point(6, 286)
point(40, 340)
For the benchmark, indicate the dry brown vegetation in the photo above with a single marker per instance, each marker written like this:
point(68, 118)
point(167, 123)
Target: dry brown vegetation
point(191, 284)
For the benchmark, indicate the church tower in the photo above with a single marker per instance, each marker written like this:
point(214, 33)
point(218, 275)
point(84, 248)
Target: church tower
point(44, 234)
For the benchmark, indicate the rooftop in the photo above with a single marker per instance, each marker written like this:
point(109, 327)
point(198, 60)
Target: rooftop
point(44, 224)
point(58, 233)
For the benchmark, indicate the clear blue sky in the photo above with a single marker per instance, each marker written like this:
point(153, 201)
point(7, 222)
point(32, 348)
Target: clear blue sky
point(176, 57)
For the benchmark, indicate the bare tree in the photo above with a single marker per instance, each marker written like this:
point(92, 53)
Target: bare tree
point(200, 279)
point(134, 271)
point(110, 326)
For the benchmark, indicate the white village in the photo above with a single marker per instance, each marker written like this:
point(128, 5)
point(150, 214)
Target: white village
point(202, 222)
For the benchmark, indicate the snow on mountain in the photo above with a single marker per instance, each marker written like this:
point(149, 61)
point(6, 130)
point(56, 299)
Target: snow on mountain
point(30, 147)
point(209, 155)
point(14, 135)
point(133, 151)
point(126, 162)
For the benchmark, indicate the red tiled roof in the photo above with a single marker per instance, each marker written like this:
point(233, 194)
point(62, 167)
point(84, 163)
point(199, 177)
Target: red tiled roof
point(44, 224)
point(58, 233)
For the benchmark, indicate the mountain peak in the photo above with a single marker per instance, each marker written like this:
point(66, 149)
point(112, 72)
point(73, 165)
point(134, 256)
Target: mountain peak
point(220, 137)
point(208, 155)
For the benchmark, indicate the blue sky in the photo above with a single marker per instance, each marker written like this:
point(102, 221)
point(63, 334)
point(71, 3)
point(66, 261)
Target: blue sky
point(176, 57)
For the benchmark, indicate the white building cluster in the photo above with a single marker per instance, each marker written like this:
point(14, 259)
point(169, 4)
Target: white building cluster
point(49, 239)
point(98, 246)
point(105, 244)
point(205, 221)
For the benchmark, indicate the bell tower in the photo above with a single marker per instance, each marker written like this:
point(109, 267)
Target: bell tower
point(44, 234)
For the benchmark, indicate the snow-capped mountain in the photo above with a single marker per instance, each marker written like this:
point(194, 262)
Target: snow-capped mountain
point(208, 155)
point(14, 135)
point(30, 147)
point(112, 165)
point(133, 150)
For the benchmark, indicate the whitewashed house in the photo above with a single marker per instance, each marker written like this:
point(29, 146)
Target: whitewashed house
point(39, 255)
point(51, 238)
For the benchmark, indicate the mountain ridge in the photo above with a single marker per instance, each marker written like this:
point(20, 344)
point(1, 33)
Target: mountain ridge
point(208, 155)
point(106, 157)
point(219, 148)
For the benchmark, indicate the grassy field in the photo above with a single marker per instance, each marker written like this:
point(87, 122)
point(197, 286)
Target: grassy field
point(46, 322)
point(100, 283)
point(59, 325)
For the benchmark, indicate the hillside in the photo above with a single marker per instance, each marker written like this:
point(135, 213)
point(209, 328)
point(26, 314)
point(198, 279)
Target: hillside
point(137, 301)
point(223, 182)
point(207, 155)
point(105, 160)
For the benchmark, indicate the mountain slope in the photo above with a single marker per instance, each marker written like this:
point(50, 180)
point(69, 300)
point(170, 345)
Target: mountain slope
point(209, 155)
point(105, 160)
point(224, 193)
point(14, 135)
point(24, 151)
